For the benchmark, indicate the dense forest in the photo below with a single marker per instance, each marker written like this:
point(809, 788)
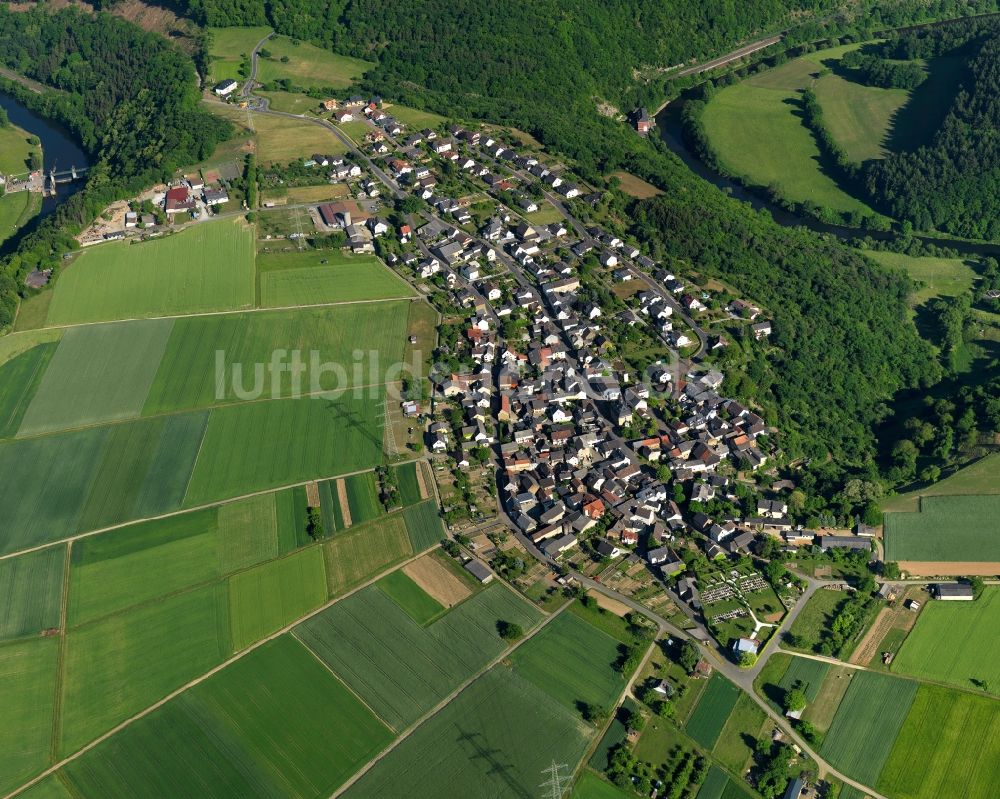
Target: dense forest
point(129, 96)
point(952, 184)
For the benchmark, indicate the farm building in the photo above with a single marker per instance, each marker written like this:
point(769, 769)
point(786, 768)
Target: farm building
point(335, 214)
point(478, 570)
point(954, 592)
point(844, 542)
point(178, 201)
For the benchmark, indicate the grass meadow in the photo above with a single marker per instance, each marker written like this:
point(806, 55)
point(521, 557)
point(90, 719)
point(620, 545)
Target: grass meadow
point(941, 277)
point(744, 121)
point(976, 478)
point(859, 117)
point(400, 667)
point(308, 66)
point(946, 528)
point(948, 746)
point(744, 724)
point(282, 139)
point(712, 711)
point(206, 267)
point(31, 588)
point(229, 48)
point(806, 674)
point(313, 277)
point(590, 786)
point(951, 643)
point(16, 209)
point(493, 739)
point(867, 722)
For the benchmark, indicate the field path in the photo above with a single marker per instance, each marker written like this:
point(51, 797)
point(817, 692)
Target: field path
point(421, 485)
point(441, 705)
point(225, 664)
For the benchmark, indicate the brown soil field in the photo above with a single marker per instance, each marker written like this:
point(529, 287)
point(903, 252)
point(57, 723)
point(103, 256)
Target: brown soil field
point(421, 481)
point(868, 646)
point(345, 506)
point(936, 568)
point(437, 581)
point(609, 604)
point(312, 494)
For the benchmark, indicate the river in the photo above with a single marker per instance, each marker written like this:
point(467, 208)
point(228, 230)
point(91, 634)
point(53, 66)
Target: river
point(669, 125)
point(59, 151)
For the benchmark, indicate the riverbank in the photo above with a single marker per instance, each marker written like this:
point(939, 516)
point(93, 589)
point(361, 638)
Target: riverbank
point(19, 150)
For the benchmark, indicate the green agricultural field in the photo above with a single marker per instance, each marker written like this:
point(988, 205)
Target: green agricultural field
point(275, 723)
point(265, 598)
point(323, 340)
point(50, 788)
point(314, 277)
point(805, 673)
point(942, 277)
point(744, 121)
point(866, 725)
point(362, 498)
point(31, 593)
point(19, 380)
point(948, 746)
point(418, 604)
point(714, 785)
point(572, 662)
point(124, 663)
point(494, 739)
point(20, 341)
point(329, 507)
point(229, 48)
point(362, 552)
point(951, 643)
point(308, 66)
point(423, 525)
point(290, 508)
point(207, 267)
point(143, 469)
point(248, 532)
point(27, 674)
point(734, 747)
point(400, 668)
point(406, 479)
point(714, 707)
point(302, 725)
point(977, 478)
point(959, 528)
point(138, 563)
point(263, 445)
point(142, 562)
point(590, 786)
point(99, 373)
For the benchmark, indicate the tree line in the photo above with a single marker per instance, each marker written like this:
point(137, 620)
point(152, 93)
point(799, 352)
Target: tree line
point(128, 96)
